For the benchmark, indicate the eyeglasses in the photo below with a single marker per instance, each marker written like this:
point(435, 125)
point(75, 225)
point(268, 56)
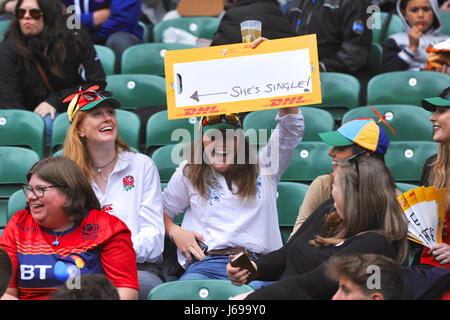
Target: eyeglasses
point(36, 14)
point(39, 190)
point(231, 118)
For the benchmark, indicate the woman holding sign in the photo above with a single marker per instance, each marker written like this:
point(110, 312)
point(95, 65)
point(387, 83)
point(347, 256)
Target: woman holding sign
point(228, 195)
point(437, 172)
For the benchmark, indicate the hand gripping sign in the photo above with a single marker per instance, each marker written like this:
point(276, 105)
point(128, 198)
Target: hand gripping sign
point(424, 208)
point(238, 78)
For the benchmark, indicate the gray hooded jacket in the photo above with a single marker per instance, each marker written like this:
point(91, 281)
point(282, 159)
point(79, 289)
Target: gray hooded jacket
point(397, 56)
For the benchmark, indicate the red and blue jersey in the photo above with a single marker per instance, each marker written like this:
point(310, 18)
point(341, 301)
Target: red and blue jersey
point(101, 243)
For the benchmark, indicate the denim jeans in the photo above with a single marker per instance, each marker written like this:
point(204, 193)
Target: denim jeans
point(48, 128)
point(214, 267)
point(118, 42)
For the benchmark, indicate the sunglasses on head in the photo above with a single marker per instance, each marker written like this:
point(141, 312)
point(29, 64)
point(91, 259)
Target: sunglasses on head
point(231, 118)
point(354, 159)
point(34, 13)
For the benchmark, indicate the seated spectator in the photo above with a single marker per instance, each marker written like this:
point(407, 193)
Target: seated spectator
point(227, 194)
point(343, 38)
point(436, 172)
point(62, 232)
point(344, 142)
point(5, 271)
point(407, 50)
point(43, 62)
point(366, 277)
point(92, 287)
point(7, 8)
point(126, 183)
point(114, 23)
point(367, 218)
point(274, 23)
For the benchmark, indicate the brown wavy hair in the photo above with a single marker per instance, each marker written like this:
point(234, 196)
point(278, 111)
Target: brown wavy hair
point(243, 175)
point(371, 205)
point(439, 172)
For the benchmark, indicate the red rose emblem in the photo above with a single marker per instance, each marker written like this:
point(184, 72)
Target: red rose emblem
point(128, 183)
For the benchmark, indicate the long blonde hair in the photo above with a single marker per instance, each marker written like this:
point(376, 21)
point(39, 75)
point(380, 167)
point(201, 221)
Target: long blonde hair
point(75, 146)
point(371, 205)
point(439, 173)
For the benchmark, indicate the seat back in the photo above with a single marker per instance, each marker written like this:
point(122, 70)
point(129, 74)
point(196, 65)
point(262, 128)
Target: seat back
point(375, 58)
point(205, 289)
point(340, 93)
point(289, 199)
point(310, 159)
point(59, 132)
point(445, 22)
point(408, 121)
point(137, 90)
point(405, 87)
point(148, 58)
point(15, 162)
point(395, 26)
point(4, 25)
point(405, 159)
point(16, 202)
point(167, 158)
point(107, 58)
point(160, 131)
point(22, 128)
point(201, 27)
point(316, 121)
point(129, 125)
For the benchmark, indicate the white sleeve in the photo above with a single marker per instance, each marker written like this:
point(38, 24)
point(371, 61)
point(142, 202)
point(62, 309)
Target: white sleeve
point(149, 241)
point(176, 195)
point(275, 157)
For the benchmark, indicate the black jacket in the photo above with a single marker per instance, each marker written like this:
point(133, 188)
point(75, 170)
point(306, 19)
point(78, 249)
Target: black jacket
point(343, 38)
point(22, 87)
point(274, 23)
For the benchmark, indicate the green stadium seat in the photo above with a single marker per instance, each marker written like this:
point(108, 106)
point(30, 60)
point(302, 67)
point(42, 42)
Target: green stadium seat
point(340, 93)
point(445, 21)
point(16, 202)
point(310, 160)
point(59, 131)
point(375, 58)
point(145, 31)
point(148, 58)
point(206, 289)
point(405, 87)
point(201, 27)
point(107, 58)
point(409, 122)
point(405, 159)
point(159, 130)
point(129, 125)
point(289, 199)
point(403, 187)
point(165, 162)
point(4, 25)
point(316, 120)
point(22, 128)
point(137, 90)
point(395, 26)
point(15, 162)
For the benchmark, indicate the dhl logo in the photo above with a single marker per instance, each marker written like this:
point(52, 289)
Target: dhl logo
point(200, 111)
point(285, 101)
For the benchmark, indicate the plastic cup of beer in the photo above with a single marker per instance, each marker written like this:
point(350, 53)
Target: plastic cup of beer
point(250, 30)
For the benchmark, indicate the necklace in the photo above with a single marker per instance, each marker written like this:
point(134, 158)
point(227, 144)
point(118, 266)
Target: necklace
point(99, 169)
point(56, 242)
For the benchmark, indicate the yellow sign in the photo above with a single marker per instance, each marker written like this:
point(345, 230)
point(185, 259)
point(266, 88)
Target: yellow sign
point(238, 78)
